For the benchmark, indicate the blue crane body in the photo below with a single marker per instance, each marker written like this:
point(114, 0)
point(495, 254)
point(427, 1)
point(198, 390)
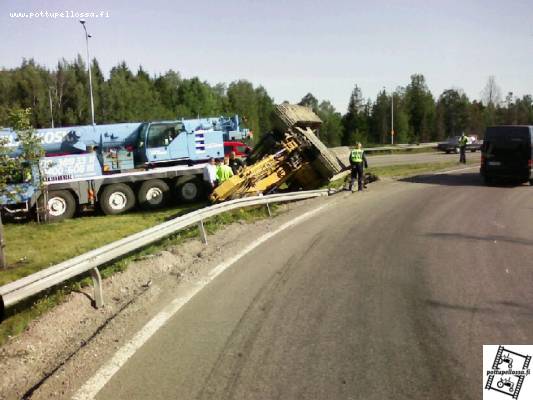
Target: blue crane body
point(80, 161)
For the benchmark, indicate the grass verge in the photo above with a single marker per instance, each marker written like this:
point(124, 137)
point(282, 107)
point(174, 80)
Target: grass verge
point(19, 316)
point(31, 247)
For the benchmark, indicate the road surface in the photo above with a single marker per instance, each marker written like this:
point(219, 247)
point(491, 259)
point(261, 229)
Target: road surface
point(418, 158)
point(396, 159)
point(388, 294)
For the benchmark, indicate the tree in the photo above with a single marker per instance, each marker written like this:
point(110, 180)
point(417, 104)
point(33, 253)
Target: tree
point(452, 113)
point(197, 98)
point(167, 86)
point(355, 121)
point(331, 130)
point(242, 99)
point(420, 107)
point(401, 119)
point(524, 110)
point(29, 141)
point(13, 164)
point(476, 119)
point(265, 108)
point(309, 101)
point(491, 97)
point(491, 93)
point(380, 122)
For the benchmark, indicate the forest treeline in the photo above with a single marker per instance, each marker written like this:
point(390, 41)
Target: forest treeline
point(136, 96)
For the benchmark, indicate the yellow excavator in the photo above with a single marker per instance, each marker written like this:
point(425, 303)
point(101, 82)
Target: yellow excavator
point(291, 158)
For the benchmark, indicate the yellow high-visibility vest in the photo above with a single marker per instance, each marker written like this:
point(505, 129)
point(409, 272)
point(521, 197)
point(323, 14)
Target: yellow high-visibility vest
point(356, 155)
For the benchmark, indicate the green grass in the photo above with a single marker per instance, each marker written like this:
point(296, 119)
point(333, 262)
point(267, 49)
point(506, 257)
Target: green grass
point(60, 237)
point(31, 246)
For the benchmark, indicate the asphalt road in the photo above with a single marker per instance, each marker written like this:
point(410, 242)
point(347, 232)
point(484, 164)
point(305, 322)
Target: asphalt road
point(387, 294)
point(417, 158)
point(397, 159)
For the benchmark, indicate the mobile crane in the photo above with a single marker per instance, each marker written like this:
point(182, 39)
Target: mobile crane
point(116, 166)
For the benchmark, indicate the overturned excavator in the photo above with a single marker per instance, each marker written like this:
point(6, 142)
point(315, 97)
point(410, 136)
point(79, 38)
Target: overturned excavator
point(290, 158)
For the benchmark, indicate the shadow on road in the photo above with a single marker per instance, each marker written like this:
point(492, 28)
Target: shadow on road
point(453, 179)
point(488, 238)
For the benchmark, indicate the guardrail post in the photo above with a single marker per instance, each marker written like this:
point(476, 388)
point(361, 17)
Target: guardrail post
point(98, 293)
point(203, 233)
point(269, 211)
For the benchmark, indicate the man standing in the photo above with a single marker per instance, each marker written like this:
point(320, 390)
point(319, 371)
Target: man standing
point(358, 161)
point(210, 176)
point(235, 163)
point(224, 171)
point(463, 140)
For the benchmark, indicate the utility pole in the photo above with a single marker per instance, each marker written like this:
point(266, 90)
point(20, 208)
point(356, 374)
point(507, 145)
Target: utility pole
point(392, 118)
point(51, 108)
point(87, 36)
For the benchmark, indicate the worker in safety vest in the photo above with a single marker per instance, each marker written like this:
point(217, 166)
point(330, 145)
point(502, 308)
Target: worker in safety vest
point(224, 171)
point(235, 163)
point(463, 140)
point(357, 161)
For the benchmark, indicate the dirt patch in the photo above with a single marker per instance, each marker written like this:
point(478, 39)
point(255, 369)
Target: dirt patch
point(63, 348)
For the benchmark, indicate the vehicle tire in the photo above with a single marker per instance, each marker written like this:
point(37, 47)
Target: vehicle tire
point(116, 199)
point(472, 150)
point(153, 194)
point(448, 151)
point(531, 182)
point(190, 191)
point(60, 205)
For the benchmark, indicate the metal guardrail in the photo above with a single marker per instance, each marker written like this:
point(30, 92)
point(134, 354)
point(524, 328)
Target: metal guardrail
point(402, 147)
point(30, 285)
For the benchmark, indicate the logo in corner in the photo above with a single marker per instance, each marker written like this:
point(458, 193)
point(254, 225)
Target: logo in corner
point(510, 368)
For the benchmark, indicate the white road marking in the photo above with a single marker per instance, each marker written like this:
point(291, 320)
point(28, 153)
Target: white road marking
point(91, 388)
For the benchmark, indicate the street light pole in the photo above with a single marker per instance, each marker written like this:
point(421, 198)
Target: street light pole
point(51, 107)
point(87, 36)
point(392, 118)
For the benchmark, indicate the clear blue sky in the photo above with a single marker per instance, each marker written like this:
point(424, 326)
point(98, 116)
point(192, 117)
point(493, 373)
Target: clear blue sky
point(291, 47)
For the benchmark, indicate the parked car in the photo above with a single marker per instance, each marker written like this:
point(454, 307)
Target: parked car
point(241, 149)
point(507, 153)
point(451, 145)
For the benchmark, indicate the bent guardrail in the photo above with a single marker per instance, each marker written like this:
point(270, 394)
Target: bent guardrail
point(21, 289)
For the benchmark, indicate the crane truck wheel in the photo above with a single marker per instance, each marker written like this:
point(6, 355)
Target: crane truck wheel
point(153, 194)
point(190, 191)
point(116, 199)
point(60, 205)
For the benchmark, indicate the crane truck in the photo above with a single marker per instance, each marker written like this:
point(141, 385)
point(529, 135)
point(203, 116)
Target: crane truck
point(291, 157)
point(116, 166)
